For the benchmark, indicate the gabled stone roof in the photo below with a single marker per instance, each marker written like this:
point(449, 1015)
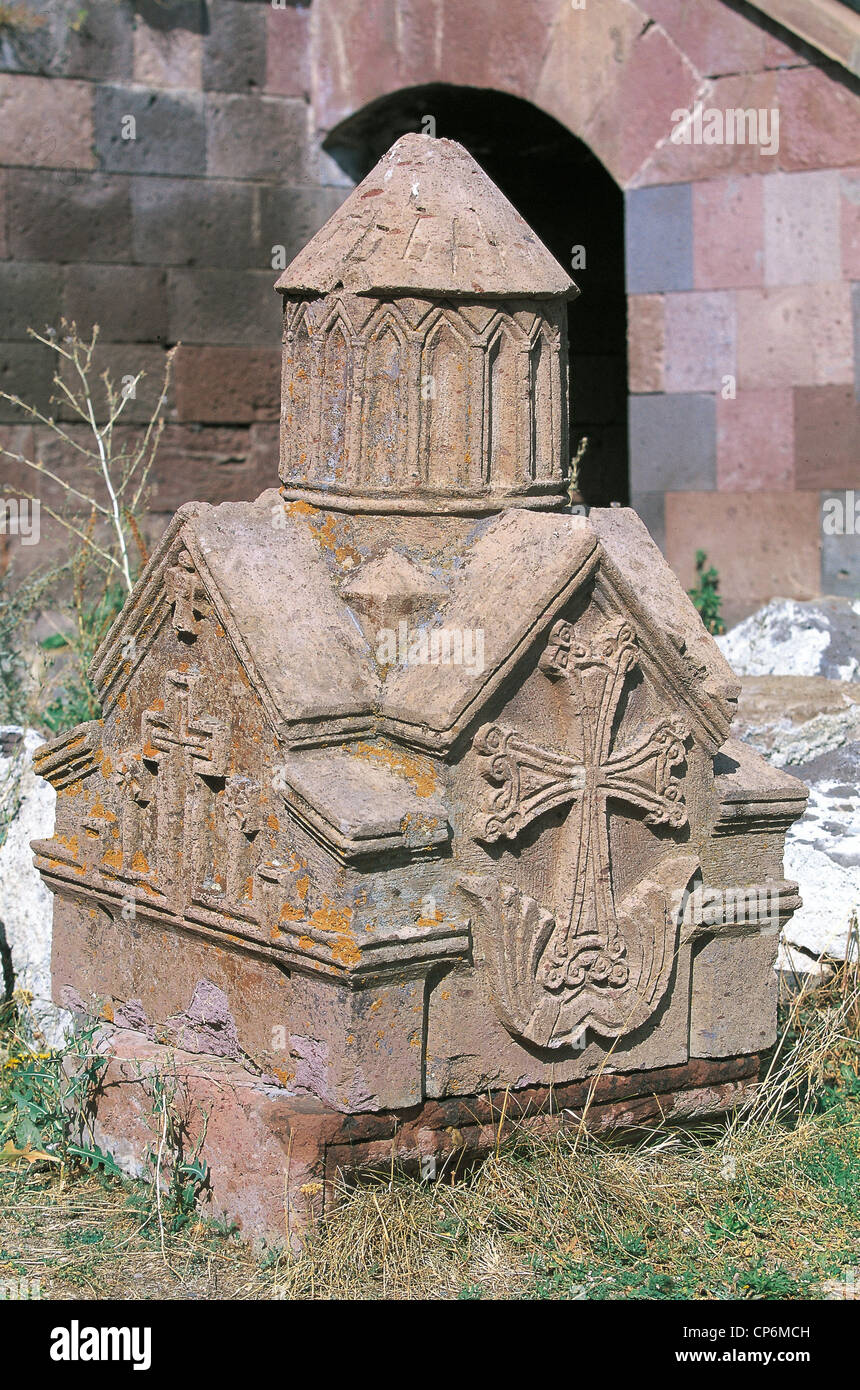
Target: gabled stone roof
point(427, 220)
point(279, 578)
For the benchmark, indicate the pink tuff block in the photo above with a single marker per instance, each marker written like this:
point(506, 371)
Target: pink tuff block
point(287, 52)
point(755, 442)
point(820, 121)
point(636, 115)
point(700, 340)
point(646, 334)
point(797, 336)
point(714, 38)
point(728, 233)
point(676, 162)
point(801, 228)
point(850, 223)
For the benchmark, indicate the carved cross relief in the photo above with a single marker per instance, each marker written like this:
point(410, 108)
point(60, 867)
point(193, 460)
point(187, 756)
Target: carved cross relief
point(228, 871)
point(184, 748)
point(187, 597)
point(587, 963)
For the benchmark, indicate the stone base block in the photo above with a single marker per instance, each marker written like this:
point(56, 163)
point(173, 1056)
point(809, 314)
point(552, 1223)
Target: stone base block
point(275, 1157)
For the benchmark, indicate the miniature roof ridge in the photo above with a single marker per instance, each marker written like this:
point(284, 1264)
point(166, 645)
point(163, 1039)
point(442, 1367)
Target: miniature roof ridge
point(428, 220)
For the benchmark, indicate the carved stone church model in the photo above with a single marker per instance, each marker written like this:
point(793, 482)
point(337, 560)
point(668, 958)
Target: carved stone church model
point(414, 799)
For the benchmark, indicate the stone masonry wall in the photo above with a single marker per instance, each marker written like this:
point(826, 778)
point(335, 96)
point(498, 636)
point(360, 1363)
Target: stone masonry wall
point(162, 239)
point(740, 264)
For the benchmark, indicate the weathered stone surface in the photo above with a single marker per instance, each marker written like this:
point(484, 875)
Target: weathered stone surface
point(701, 341)
point(792, 719)
point(673, 444)
point(820, 120)
point(287, 50)
point(128, 303)
point(234, 56)
point(216, 385)
point(57, 38)
point(168, 57)
point(412, 784)
point(257, 1136)
point(831, 413)
point(30, 294)
point(646, 343)
point(222, 306)
point(755, 441)
point(480, 249)
point(26, 372)
point(260, 137)
point(659, 231)
point(734, 996)
point(168, 136)
point(62, 136)
point(94, 211)
point(801, 228)
point(26, 811)
point(794, 336)
point(728, 233)
point(840, 544)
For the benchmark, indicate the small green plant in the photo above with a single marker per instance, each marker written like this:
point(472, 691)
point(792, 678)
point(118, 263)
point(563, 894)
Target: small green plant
point(705, 594)
point(178, 1178)
point(46, 1098)
point(104, 499)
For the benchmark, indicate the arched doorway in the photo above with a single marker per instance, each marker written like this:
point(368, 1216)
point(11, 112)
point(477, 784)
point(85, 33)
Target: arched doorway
point(565, 193)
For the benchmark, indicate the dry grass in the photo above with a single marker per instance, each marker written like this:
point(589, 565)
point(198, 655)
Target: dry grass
point(765, 1204)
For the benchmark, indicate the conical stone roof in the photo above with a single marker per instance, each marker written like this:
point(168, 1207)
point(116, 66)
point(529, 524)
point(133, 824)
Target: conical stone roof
point(427, 220)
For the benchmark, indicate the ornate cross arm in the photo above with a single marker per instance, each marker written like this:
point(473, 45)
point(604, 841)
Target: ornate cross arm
point(644, 775)
point(531, 780)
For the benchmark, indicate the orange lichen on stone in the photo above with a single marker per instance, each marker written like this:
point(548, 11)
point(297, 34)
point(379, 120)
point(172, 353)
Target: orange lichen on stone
point(417, 770)
point(306, 943)
point(107, 768)
point(140, 863)
point(113, 859)
point(345, 951)
point(330, 917)
point(122, 699)
point(433, 921)
point(414, 824)
point(290, 913)
point(273, 823)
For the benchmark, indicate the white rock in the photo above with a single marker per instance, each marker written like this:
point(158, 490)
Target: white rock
point(819, 637)
point(822, 853)
point(26, 906)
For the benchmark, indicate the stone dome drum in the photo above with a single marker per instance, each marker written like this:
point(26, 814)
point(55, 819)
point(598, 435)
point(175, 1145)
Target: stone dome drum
point(425, 347)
